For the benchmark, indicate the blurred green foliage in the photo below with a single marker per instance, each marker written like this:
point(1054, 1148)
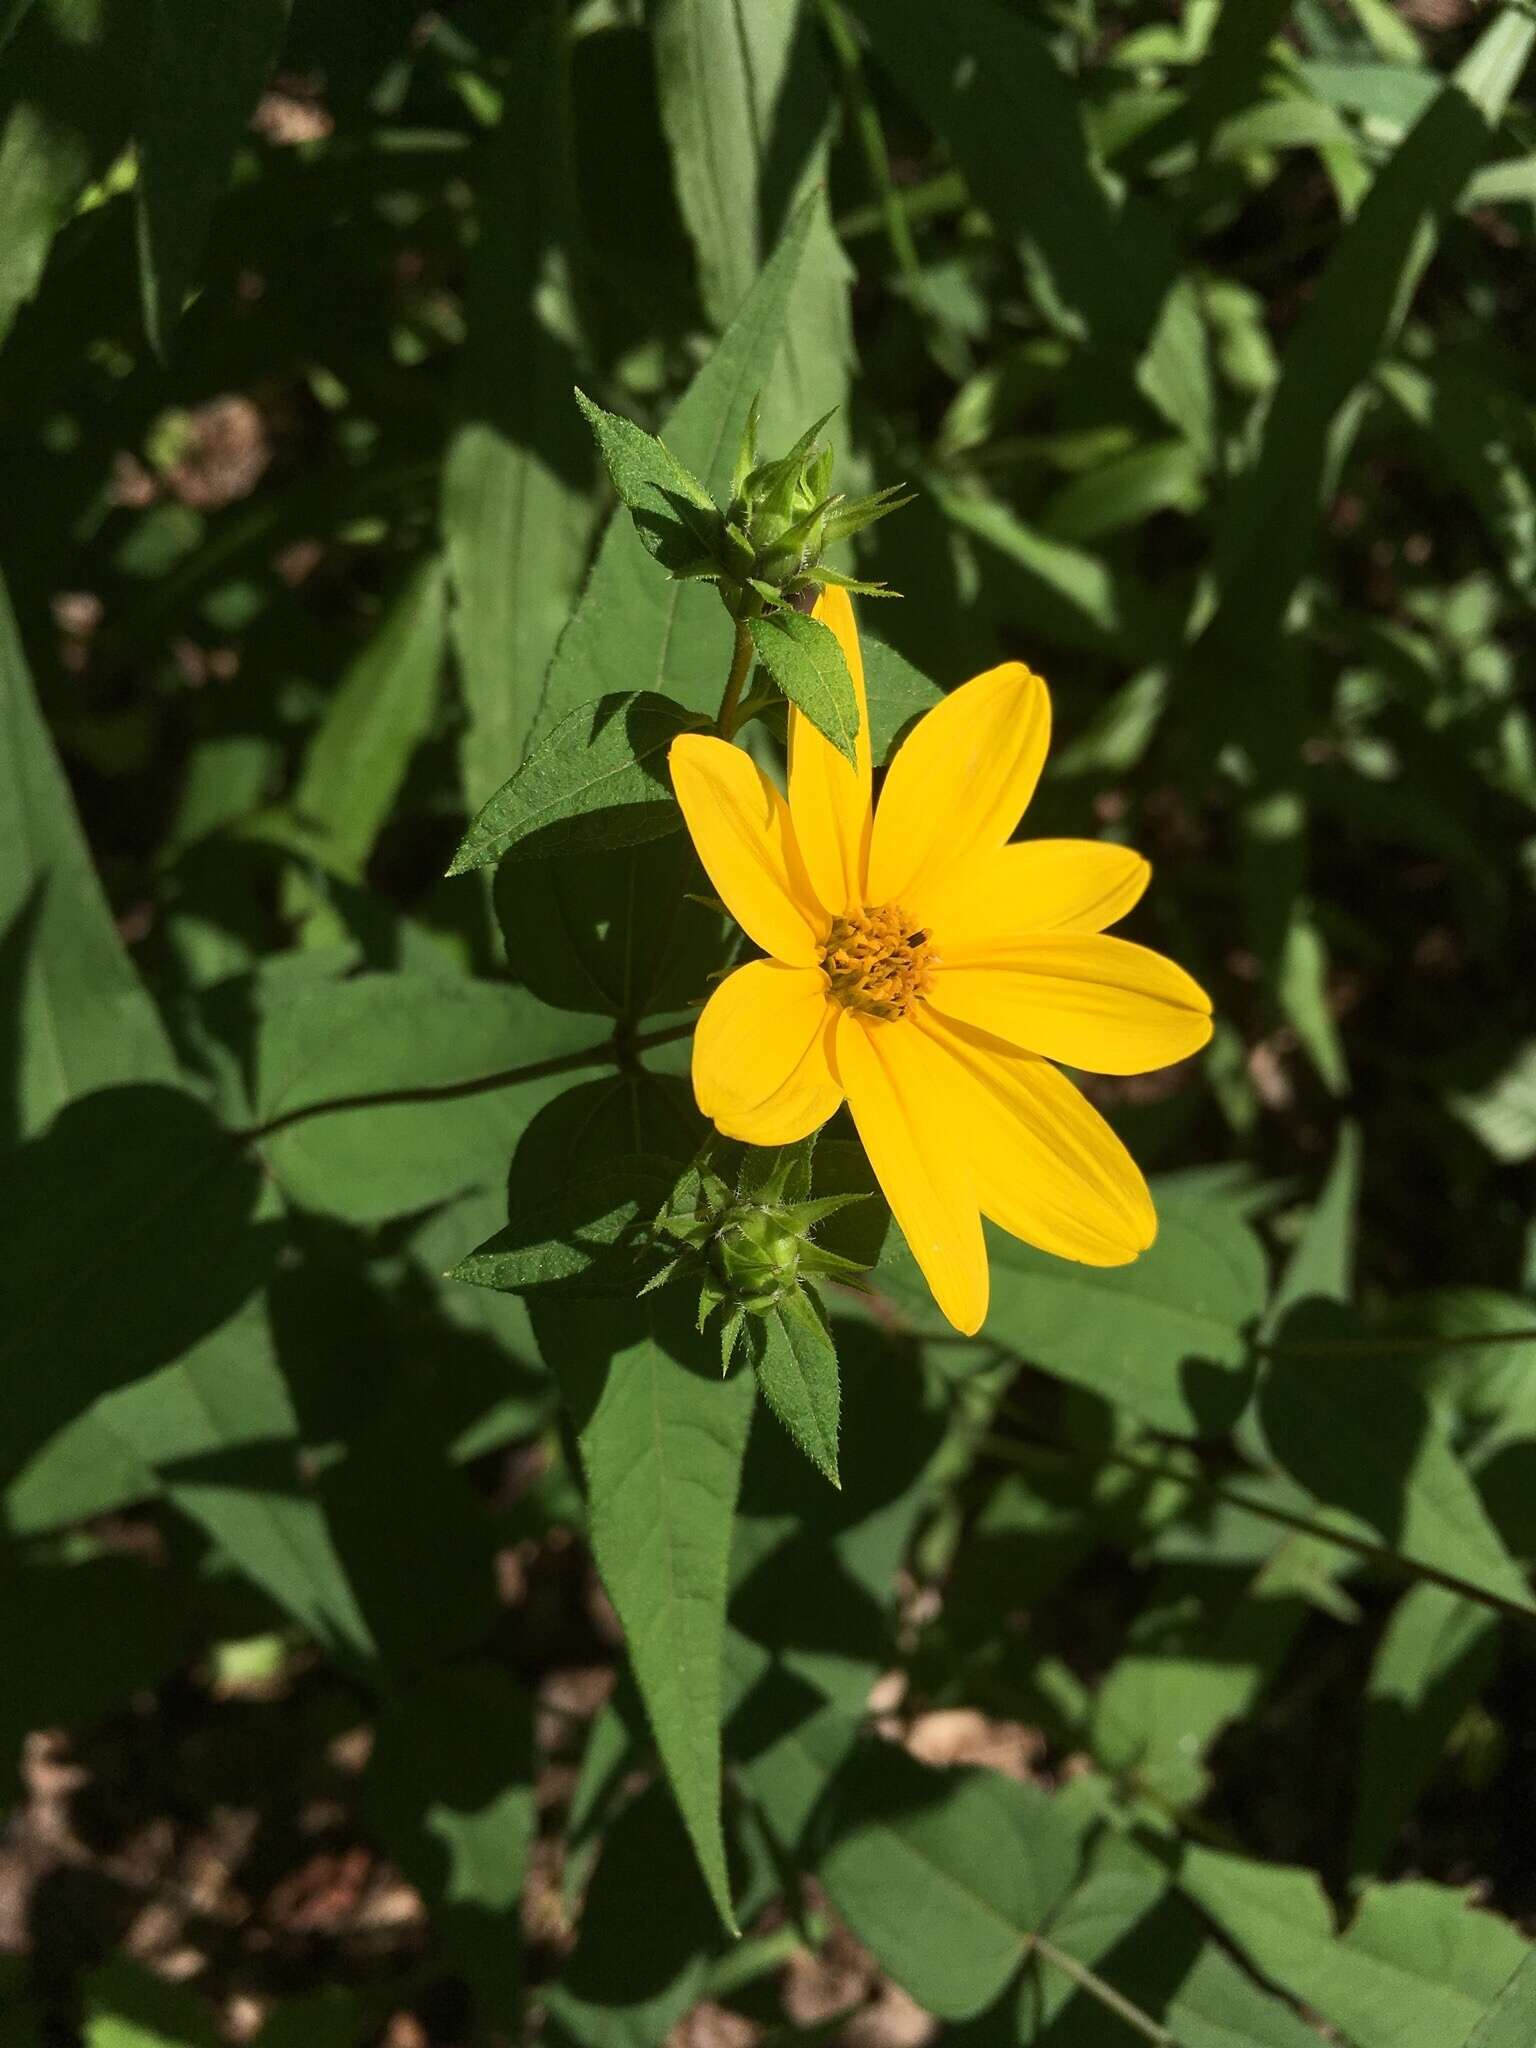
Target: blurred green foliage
point(1163, 1667)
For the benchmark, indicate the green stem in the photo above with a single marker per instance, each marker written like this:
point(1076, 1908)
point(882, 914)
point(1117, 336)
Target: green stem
point(936, 196)
point(612, 1052)
point(1025, 1454)
point(877, 160)
point(1385, 1347)
point(741, 668)
point(1112, 2000)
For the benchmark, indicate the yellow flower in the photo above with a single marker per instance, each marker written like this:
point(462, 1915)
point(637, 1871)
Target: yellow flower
point(928, 972)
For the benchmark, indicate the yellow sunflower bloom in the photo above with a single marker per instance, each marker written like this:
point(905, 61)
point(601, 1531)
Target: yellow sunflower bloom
point(928, 972)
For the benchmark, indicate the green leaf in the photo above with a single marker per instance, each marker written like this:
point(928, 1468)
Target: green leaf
point(634, 626)
point(70, 1002)
point(598, 779)
point(158, 1246)
point(11, 13)
point(1121, 1921)
point(676, 518)
point(1352, 317)
point(630, 932)
point(1166, 1338)
point(1322, 1266)
point(71, 74)
point(450, 1790)
point(79, 1641)
point(796, 1364)
point(1503, 1114)
point(945, 1875)
point(720, 66)
point(518, 504)
point(1366, 1445)
point(1487, 440)
point(983, 76)
point(216, 1434)
point(357, 761)
point(208, 70)
point(580, 1236)
point(388, 1487)
point(635, 1971)
point(1073, 594)
point(409, 1035)
point(804, 659)
point(1436, 1656)
point(129, 2006)
point(662, 1438)
point(1199, 1654)
point(1510, 2021)
point(1125, 491)
point(896, 694)
point(1417, 1969)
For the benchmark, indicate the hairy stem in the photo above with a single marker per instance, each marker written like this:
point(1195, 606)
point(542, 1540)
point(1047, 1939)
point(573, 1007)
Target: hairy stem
point(741, 668)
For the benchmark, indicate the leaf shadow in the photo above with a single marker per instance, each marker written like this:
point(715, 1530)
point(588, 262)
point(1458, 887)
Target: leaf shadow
point(1359, 1447)
point(131, 1232)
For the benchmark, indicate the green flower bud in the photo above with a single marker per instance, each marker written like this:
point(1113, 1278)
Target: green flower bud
point(757, 1256)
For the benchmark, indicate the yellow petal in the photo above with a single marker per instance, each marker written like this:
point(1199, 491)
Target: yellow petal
point(741, 827)
point(1043, 885)
point(1047, 1166)
point(959, 783)
point(828, 798)
point(761, 1054)
point(905, 1111)
point(1098, 1003)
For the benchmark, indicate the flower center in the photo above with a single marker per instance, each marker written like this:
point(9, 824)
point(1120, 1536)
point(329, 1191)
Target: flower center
point(877, 961)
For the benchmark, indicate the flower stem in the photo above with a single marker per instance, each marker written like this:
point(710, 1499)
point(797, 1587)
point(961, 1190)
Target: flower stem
point(741, 668)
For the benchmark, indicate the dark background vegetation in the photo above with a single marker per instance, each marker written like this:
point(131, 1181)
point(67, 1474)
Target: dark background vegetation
point(1205, 334)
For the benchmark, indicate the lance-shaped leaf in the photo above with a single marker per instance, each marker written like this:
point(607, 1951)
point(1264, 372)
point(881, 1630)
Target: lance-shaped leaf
point(362, 748)
point(804, 659)
point(633, 624)
point(599, 779)
point(662, 1439)
point(73, 1014)
point(796, 1363)
point(675, 517)
point(518, 507)
point(208, 66)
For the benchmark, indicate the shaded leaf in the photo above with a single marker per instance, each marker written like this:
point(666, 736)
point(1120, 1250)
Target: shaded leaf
point(160, 1246)
point(518, 504)
point(73, 1006)
point(357, 760)
point(208, 67)
point(419, 1037)
point(580, 1235)
point(450, 1790)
